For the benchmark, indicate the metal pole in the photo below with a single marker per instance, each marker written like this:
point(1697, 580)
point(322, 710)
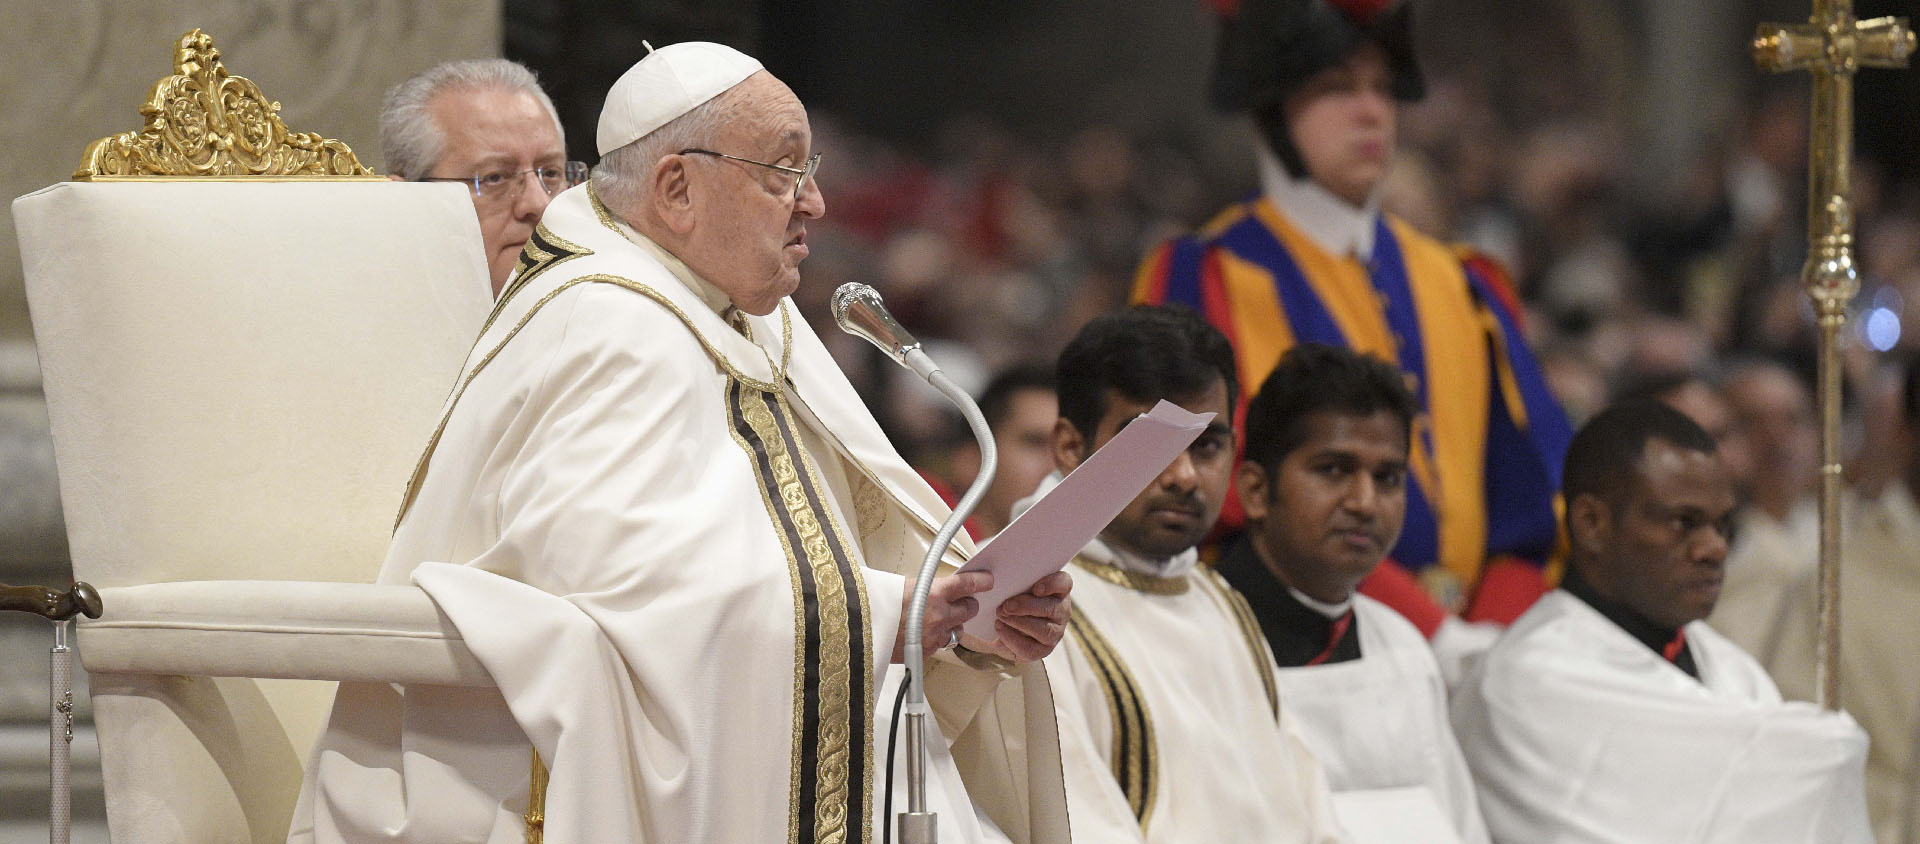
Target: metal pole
point(60, 608)
point(858, 311)
point(1831, 282)
point(917, 824)
point(60, 738)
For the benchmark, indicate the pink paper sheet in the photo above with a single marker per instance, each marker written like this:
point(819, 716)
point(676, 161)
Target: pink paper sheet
point(1044, 538)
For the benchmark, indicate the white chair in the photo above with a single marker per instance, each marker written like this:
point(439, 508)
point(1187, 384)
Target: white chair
point(241, 371)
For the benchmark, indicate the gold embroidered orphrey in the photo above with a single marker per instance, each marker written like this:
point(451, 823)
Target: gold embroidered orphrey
point(1135, 750)
point(204, 122)
point(831, 783)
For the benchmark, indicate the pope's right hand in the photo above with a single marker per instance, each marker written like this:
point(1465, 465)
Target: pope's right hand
point(949, 604)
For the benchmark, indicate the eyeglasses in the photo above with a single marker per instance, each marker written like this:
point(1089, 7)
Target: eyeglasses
point(802, 173)
point(503, 185)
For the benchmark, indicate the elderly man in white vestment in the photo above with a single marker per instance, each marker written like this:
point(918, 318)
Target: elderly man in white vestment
point(661, 518)
point(1610, 712)
point(1323, 478)
point(1170, 728)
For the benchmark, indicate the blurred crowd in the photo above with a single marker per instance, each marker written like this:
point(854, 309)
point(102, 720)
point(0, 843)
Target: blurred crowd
point(995, 248)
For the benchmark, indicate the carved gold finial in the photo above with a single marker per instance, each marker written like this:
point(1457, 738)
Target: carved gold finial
point(201, 121)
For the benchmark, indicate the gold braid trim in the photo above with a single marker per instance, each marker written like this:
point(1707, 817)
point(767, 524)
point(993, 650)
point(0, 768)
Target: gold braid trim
point(818, 552)
point(1150, 584)
point(544, 251)
point(1134, 753)
point(536, 816)
point(1242, 613)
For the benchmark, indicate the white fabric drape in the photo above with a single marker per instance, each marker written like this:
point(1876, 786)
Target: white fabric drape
point(1381, 721)
point(1577, 732)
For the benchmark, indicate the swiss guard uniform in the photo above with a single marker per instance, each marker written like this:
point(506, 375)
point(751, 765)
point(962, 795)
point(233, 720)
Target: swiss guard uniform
point(1298, 264)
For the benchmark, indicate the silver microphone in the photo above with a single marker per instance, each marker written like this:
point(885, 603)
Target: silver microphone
point(859, 311)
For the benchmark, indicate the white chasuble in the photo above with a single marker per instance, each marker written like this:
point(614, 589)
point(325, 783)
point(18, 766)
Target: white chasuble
point(1577, 732)
point(1170, 727)
point(1380, 721)
point(675, 540)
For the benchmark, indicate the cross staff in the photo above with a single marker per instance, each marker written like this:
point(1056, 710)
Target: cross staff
point(1831, 45)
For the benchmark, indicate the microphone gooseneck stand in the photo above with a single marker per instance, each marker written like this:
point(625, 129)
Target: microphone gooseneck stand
point(59, 608)
point(858, 310)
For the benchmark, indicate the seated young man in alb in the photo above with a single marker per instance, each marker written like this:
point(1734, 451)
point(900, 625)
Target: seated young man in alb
point(1324, 484)
point(1171, 729)
point(1610, 712)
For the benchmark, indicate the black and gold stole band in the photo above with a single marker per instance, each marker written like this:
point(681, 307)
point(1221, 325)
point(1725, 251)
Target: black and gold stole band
point(832, 786)
point(1256, 640)
point(1134, 756)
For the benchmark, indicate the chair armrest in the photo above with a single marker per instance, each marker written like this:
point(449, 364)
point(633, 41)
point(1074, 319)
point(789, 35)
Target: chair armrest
point(278, 629)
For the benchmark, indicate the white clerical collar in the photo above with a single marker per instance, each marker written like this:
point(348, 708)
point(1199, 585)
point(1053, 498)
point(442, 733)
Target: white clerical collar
point(709, 294)
point(1100, 551)
point(1326, 219)
point(1322, 607)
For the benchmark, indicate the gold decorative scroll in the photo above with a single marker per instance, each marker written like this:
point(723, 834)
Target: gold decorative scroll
point(203, 122)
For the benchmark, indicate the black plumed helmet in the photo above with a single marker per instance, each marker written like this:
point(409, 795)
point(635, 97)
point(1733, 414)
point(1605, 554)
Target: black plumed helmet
point(1268, 48)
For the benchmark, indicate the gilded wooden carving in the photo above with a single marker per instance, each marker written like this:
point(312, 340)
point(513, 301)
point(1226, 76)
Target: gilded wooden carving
point(202, 121)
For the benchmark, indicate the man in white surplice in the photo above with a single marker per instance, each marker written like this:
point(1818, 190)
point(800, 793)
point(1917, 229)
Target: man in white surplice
point(1323, 480)
point(1170, 727)
point(1610, 712)
point(660, 516)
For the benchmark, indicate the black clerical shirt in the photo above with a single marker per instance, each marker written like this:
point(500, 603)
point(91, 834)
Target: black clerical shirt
point(1298, 634)
point(1662, 639)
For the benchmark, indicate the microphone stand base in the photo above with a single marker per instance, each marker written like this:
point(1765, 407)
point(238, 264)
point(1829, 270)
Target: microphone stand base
point(917, 828)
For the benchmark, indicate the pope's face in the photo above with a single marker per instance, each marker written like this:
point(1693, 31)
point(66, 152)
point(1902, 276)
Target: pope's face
point(1334, 505)
point(499, 131)
point(1342, 122)
point(1177, 509)
point(750, 232)
point(1663, 549)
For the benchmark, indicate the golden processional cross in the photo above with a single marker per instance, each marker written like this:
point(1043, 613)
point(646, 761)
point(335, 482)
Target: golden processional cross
point(1832, 45)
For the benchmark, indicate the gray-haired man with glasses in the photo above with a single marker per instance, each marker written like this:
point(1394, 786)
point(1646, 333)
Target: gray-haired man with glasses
point(485, 122)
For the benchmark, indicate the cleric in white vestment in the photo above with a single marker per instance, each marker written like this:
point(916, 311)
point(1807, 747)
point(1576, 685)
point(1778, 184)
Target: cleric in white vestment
point(1323, 478)
point(1610, 712)
point(660, 516)
point(1171, 730)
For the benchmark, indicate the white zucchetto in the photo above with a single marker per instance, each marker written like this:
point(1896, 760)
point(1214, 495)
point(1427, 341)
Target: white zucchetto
point(667, 83)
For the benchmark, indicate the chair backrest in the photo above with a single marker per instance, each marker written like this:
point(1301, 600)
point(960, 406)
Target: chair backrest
point(240, 375)
point(237, 371)
point(240, 378)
